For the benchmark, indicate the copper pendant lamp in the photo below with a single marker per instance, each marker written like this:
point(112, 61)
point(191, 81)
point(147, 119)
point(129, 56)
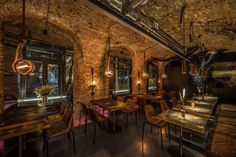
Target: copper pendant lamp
point(20, 65)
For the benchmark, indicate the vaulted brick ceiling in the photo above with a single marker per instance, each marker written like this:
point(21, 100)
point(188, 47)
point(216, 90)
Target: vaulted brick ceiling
point(214, 21)
point(77, 21)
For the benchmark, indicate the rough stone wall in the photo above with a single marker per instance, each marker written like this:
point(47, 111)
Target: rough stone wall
point(86, 29)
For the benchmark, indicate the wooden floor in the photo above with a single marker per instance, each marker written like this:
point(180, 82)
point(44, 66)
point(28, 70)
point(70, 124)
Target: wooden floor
point(127, 143)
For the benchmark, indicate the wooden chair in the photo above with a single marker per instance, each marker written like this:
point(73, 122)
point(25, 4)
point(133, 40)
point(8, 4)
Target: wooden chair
point(130, 107)
point(97, 119)
point(152, 119)
point(57, 129)
point(54, 118)
point(85, 113)
point(164, 105)
point(174, 102)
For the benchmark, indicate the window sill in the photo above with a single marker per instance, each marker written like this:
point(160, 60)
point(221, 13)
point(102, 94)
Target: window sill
point(38, 99)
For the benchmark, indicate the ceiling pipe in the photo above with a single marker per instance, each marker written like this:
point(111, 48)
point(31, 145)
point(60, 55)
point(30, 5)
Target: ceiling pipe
point(136, 3)
point(139, 23)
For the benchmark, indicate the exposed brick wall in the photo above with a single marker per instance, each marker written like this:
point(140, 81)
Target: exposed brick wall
point(87, 31)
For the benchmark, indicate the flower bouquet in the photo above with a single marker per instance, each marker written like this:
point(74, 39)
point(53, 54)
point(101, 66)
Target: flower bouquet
point(43, 90)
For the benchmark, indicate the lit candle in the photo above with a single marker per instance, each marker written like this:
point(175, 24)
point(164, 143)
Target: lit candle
point(193, 105)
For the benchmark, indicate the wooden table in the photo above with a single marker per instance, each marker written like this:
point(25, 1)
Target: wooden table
point(199, 111)
point(190, 121)
point(112, 106)
point(207, 102)
point(19, 121)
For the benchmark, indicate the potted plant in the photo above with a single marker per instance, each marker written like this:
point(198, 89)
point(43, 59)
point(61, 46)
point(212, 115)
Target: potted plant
point(44, 92)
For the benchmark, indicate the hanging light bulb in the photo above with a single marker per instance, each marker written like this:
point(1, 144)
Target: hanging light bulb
point(163, 76)
point(108, 71)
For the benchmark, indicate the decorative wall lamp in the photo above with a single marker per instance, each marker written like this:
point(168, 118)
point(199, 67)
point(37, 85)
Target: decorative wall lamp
point(139, 82)
point(20, 65)
point(108, 71)
point(93, 83)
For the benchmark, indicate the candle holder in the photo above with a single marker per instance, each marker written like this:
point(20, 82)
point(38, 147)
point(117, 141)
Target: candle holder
point(139, 83)
point(182, 113)
point(93, 84)
point(193, 105)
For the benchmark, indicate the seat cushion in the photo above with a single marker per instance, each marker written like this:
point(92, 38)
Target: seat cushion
point(54, 118)
point(154, 120)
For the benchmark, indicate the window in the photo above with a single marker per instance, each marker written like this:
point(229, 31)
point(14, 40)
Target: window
point(121, 81)
point(152, 79)
point(51, 63)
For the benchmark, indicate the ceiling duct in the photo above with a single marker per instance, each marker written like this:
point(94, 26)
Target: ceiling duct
point(125, 10)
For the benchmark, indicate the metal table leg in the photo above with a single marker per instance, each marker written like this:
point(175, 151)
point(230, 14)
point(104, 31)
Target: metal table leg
point(20, 147)
point(181, 141)
point(114, 121)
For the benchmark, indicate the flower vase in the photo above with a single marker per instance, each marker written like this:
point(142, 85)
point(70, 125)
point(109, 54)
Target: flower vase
point(44, 99)
point(183, 113)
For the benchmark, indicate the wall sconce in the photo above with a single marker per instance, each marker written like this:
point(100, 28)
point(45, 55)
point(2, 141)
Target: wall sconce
point(92, 84)
point(139, 82)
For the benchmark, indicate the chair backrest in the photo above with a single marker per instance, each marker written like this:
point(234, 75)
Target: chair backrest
point(131, 102)
point(161, 95)
point(171, 94)
point(63, 109)
point(174, 101)
point(68, 118)
point(84, 108)
point(120, 98)
point(149, 112)
point(93, 115)
point(164, 105)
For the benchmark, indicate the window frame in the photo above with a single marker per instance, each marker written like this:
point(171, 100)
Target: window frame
point(148, 71)
point(59, 61)
point(116, 61)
